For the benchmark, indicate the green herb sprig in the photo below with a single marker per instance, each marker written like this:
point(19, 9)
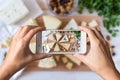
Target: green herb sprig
point(109, 9)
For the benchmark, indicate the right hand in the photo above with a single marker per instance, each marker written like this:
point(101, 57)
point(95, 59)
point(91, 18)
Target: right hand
point(98, 58)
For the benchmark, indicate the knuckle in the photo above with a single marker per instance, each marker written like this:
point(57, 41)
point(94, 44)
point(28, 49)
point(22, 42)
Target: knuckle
point(22, 43)
point(32, 31)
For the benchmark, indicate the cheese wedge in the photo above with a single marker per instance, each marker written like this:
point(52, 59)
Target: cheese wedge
point(51, 37)
point(65, 45)
point(57, 48)
point(72, 25)
point(64, 39)
point(50, 45)
point(51, 22)
point(58, 36)
point(93, 23)
point(47, 63)
point(73, 59)
point(32, 22)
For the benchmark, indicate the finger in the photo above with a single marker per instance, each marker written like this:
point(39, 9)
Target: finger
point(32, 32)
point(80, 57)
point(41, 56)
point(92, 36)
point(18, 31)
point(26, 29)
point(99, 35)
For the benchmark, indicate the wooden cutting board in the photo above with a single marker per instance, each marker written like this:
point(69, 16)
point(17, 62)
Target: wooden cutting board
point(60, 67)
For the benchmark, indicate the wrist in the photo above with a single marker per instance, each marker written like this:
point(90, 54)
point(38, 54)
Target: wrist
point(110, 74)
point(7, 71)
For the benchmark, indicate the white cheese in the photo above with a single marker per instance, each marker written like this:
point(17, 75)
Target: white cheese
point(93, 23)
point(14, 12)
point(31, 22)
point(47, 63)
point(51, 37)
point(51, 22)
point(58, 36)
point(71, 25)
point(57, 48)
point(50, 45)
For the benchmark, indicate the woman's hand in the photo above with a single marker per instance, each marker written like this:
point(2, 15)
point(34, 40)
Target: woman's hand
point(19, 54)
point(99, 58)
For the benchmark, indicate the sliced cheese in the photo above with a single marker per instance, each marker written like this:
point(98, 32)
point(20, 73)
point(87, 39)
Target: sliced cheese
point(64, 39)
point(65, 45)
point(15, 11)
point(50, 45)
point(57, 48)
point(51, 22)
point(73, 59)
point(93, 23)
point(32, 22)
point(51, 37)
point(58, 36)
point(47, 63)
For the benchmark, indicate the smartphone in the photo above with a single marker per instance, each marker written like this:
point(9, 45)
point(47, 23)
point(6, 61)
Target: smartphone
point(61, 42)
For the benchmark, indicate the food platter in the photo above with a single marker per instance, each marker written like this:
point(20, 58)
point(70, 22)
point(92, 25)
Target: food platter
point(60, 66)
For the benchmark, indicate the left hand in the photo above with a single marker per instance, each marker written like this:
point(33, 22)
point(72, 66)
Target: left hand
point(19, 54)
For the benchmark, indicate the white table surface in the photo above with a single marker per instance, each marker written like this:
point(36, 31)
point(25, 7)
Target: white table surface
point(68, 75)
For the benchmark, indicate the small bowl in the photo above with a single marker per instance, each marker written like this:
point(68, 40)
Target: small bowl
point(62, 8)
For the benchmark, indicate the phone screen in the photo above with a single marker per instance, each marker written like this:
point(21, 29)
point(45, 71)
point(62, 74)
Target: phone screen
point(60, 41)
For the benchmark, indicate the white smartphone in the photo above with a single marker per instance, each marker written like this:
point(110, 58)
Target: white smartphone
point(61, 42)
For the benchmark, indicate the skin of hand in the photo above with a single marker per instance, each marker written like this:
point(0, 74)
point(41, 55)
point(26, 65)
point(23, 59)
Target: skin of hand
point(19, 54)
point(99, 59)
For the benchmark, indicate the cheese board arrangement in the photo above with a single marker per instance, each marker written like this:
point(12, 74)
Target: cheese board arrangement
point(62, 62)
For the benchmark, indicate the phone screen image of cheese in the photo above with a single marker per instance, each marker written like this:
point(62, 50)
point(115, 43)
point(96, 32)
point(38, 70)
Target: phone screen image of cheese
point(61, 41)
point(14, 11)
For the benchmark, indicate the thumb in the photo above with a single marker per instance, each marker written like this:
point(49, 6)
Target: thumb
point(40, 56)
point(80, 57)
